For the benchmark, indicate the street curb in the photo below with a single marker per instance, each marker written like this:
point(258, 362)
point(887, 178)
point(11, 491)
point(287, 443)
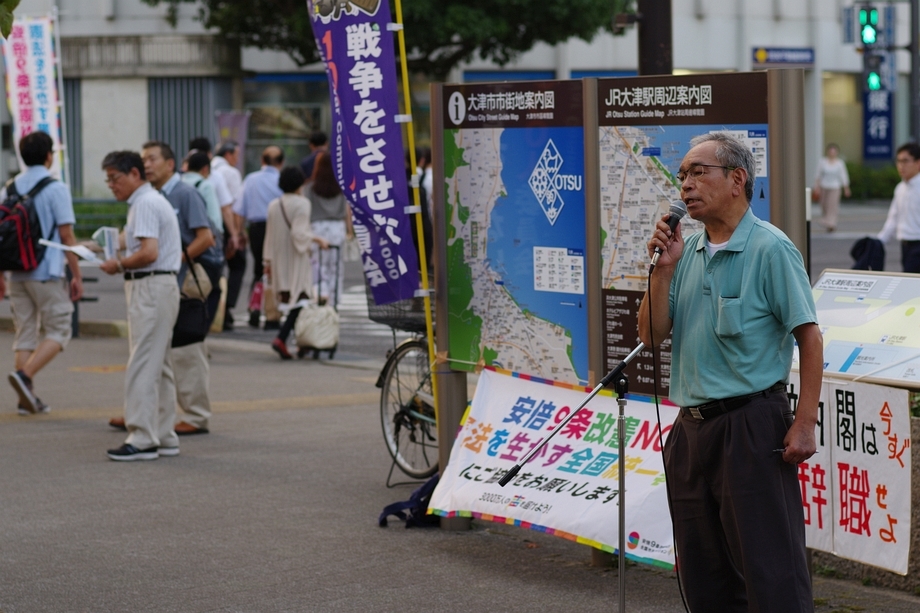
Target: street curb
point(117, 328)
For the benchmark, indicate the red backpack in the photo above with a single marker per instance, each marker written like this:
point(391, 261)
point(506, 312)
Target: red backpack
point(21, 229)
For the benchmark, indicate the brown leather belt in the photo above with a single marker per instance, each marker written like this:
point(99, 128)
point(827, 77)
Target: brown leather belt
point(720, 407)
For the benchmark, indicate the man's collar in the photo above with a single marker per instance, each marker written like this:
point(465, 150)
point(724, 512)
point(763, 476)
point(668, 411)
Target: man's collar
point(171, 183)
point(739, 236)
point(271, 169)
point(140, 191)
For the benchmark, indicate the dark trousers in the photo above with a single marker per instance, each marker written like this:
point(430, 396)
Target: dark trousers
point(256, 242)
point(288, 324)
point(214, 297)
point(737, 511)
point(236, 268)
point(910, 256)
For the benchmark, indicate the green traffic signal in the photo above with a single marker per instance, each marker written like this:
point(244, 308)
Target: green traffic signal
point(873, 81)
point(868, 25)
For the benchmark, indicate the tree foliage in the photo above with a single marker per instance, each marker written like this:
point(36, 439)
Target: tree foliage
point(439, 33)
point(6, 16)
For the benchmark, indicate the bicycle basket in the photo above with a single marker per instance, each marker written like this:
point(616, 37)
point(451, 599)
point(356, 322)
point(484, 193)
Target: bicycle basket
point(407, 315)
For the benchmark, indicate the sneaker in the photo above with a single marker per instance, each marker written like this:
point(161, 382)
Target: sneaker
point(40, 407)
point(23, 386)
point(129, 453)
point(281, 349)
point(167, 451)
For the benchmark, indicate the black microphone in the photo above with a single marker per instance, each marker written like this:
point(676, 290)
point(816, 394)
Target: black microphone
point(678, 210)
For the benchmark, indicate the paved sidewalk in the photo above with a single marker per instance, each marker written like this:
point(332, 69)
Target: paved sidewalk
point(274, 510)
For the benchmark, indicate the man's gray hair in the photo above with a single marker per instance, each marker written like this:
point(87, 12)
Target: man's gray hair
point(731, 152)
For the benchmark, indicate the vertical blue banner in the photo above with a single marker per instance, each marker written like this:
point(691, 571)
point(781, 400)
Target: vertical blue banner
point(878, 125)
point(358, 52)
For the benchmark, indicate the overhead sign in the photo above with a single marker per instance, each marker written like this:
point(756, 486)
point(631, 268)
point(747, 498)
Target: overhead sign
point(783, 57)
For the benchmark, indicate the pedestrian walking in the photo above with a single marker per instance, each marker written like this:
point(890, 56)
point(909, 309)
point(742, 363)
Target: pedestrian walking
point(830, 181)
point(289, 243)
point(331, 220)
point(903, 221)
point(260, 188)
point(224, 164)
point(41, 300)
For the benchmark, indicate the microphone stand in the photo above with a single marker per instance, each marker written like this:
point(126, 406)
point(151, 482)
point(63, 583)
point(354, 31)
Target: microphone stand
point(621, 387)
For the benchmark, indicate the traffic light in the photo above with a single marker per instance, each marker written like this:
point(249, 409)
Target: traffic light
point(872, 75)
point(868, 25)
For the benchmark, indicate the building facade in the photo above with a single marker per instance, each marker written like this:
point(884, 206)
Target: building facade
point(131, 76)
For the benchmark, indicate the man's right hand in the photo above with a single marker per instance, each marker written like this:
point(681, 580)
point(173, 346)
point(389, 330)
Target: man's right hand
point(109, 266)
point(671, 244)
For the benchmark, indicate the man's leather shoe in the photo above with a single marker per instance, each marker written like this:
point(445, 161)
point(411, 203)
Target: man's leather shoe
point(118, 423)
point(184, 428)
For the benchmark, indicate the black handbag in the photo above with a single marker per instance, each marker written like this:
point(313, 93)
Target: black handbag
point(192, 323)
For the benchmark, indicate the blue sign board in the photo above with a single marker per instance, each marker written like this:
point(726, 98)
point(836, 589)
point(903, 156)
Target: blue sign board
point(783, 57)
point(878, 124)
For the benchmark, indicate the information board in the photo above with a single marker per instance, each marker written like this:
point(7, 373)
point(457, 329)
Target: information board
point(515, 209)
point(871, 325)
point(644, 128)
point(856, 490)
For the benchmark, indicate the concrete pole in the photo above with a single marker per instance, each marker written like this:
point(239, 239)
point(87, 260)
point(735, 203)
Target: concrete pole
point(656, 52)
point(915, 70)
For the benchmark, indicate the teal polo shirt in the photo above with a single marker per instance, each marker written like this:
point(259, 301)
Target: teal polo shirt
point(733, 313)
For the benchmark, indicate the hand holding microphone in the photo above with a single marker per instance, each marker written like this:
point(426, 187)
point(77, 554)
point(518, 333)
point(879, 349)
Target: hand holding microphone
point(677, 211)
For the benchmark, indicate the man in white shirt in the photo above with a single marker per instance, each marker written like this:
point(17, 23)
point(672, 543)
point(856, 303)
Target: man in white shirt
point(904, 215)
point(224, 164)
point(153, 255)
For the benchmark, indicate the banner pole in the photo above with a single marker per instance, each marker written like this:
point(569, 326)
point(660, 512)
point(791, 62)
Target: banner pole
point(419, 228)
point(59, 70)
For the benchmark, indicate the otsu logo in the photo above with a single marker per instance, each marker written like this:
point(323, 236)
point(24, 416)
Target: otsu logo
point(547, 182)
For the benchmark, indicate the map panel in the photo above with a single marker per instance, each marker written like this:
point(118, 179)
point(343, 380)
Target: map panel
point(644, 129)
point(515, 212)
point(871, 326)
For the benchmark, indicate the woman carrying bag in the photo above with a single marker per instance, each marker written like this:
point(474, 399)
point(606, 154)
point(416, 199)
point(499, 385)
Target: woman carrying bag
point(289, 242)
point(332, 222)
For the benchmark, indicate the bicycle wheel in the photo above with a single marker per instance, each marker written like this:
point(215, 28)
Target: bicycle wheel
point(407, 411)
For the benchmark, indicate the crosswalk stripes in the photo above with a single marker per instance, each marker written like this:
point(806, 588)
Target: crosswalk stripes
point(353, 316)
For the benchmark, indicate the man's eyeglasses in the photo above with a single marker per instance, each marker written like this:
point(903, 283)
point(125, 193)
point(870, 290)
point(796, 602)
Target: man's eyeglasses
point(698, 170)
point(114, 178)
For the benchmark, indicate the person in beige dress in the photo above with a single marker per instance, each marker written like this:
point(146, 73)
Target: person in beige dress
point(289, 242)
point(831, 179)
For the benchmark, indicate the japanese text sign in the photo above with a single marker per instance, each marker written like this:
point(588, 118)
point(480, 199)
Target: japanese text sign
point(357, 49)
point(856, 490)
point(569, 489)
point(31, 86)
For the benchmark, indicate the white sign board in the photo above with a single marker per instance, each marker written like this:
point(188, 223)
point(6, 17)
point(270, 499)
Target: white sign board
point(856, 490)
point(570, 488)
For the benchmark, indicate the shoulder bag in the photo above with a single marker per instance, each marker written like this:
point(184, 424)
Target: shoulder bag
point(192, 323)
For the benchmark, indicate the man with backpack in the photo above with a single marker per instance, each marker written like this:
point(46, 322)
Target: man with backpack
point(40, 296)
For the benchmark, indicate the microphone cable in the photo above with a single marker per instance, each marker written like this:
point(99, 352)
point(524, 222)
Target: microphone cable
point(664, 468)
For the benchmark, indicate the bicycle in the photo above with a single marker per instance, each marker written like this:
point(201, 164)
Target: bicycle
point(407, 414)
